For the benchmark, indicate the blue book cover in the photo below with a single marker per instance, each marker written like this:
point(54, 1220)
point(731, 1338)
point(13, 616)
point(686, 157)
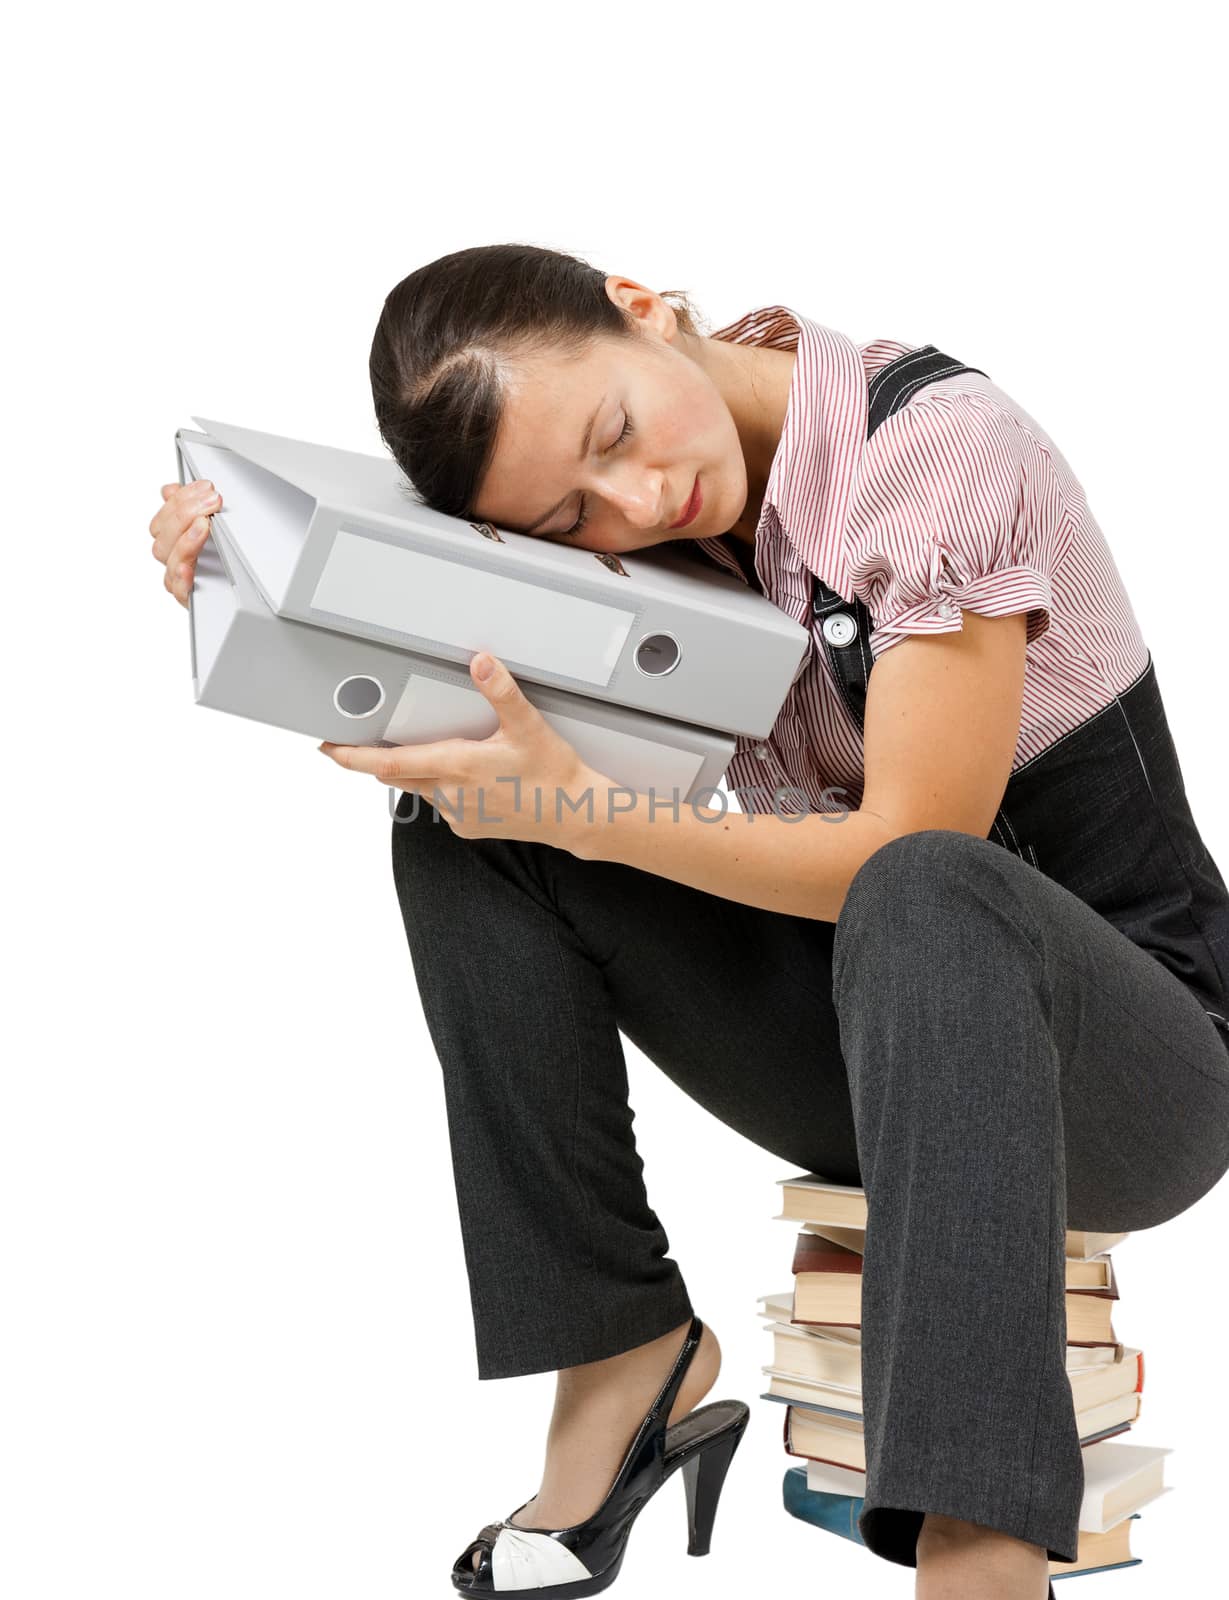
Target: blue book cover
point(839, 1513)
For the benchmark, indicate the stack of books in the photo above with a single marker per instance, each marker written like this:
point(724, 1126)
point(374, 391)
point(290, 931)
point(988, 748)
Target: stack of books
point(816, 1376)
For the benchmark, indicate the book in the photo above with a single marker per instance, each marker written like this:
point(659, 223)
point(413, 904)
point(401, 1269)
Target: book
point(833, 1377)
point(828, 1292)
point(838, 1513)
point(836, 1435)
point(1119, 1479)
point(808, 1198)
point(1081, 1272)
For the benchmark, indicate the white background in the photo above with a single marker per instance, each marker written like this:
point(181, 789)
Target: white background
point(238, 1357)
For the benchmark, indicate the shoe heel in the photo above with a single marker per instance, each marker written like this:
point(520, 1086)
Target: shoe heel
point(703, 1476)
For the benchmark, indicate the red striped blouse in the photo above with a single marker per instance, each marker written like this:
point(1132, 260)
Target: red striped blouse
point(958, 500)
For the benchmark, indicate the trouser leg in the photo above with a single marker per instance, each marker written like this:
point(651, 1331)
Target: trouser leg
point(1017, 1066)
point(529, 962)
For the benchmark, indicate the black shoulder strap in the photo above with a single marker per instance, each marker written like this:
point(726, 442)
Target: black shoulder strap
point(844, 627)
point(894, 384)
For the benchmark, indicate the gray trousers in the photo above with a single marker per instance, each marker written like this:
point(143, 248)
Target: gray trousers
point(983, 1052)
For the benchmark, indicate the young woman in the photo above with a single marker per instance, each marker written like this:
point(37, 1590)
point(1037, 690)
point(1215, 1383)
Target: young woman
point(965, 945)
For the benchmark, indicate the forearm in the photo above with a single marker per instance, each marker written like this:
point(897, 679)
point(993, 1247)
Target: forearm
point(801, 865)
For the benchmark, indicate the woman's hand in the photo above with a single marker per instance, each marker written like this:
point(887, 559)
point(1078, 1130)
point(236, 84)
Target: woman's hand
point(524, 781)
point(180, 527)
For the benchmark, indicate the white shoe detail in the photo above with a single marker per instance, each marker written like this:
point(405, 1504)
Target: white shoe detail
point(521, 1559)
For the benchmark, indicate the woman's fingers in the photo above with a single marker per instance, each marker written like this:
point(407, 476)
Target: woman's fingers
point(180, 527)
point(181, 562)
point(179, 511)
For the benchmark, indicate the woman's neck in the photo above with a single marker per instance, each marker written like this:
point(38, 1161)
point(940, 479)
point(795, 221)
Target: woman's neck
point(755, 384)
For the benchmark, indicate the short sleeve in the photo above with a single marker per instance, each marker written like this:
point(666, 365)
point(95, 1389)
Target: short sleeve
point(949, 517)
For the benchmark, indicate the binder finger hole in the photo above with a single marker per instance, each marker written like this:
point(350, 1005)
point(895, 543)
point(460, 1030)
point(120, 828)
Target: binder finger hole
point(358, 696)
point(657, 654)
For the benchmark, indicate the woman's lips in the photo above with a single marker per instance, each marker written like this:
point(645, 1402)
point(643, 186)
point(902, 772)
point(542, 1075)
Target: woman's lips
point(692, 509)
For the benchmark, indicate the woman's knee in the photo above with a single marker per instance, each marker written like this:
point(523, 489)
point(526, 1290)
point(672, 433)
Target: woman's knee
point(911, 870)
point(916, 892)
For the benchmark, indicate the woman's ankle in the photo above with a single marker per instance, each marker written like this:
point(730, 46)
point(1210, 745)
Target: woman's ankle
point(959, 1560)
point(651, 1355)
point(640, 1371)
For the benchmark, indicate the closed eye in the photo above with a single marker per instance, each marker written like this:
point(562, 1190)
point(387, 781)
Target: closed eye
point(584, 515)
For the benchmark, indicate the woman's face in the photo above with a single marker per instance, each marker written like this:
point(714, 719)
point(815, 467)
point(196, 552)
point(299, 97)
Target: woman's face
point(658, 424)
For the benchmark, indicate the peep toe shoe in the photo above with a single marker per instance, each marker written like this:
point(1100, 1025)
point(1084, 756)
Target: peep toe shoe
point(585, 1558)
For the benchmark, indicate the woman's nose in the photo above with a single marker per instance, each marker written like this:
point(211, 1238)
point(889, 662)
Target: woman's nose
point(639, 496)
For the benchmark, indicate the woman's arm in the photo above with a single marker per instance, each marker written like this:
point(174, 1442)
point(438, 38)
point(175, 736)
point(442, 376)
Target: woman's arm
point(942, 723)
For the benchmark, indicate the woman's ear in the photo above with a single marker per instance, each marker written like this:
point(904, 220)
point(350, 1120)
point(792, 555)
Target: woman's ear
point(646, 305)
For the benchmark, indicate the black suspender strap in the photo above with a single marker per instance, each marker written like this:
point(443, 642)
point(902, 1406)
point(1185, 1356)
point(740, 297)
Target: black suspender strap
point(894, 384)
point(846, 627)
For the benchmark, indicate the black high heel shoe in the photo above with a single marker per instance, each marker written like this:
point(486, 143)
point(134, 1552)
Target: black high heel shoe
point(585, 1558)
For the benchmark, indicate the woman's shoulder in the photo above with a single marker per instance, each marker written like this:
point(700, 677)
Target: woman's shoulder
point(970, 439)
point(971, 407)
point(966, 502)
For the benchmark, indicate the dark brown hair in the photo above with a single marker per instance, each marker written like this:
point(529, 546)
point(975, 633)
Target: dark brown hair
point(436, 354)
